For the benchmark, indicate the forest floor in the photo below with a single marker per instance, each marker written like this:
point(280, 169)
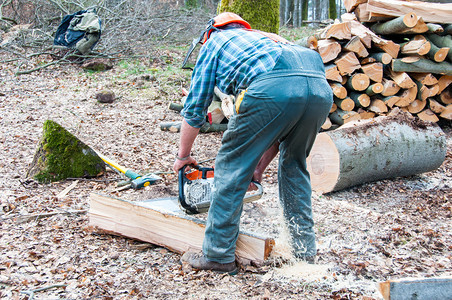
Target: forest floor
point(366, 234)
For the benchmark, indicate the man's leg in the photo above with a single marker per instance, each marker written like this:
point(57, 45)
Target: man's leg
point(293, 177)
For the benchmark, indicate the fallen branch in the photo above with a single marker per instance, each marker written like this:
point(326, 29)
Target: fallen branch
point(23, 219)
point(31, 293)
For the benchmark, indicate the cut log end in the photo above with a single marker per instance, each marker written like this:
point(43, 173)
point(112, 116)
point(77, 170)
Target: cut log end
point(410, 20)
point(441, 54)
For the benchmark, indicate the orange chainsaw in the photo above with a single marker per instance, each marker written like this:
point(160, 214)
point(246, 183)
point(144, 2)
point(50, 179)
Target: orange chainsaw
point(196, 189)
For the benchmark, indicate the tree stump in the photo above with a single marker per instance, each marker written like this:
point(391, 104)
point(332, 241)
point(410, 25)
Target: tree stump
point(61, 155)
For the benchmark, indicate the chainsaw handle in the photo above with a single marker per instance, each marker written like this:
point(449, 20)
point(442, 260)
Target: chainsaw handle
point(182, 179)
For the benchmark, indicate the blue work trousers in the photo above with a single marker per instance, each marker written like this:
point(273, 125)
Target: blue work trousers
point(286, 105)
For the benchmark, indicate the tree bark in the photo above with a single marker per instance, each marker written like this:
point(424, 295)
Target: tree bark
point(395, 25)
point(421, 66)
point(386, 147)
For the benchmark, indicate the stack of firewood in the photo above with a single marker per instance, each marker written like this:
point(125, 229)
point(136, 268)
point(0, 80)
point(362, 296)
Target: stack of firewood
point(387, 54)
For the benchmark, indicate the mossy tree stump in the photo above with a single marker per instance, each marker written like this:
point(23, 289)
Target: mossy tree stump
point(61, 155)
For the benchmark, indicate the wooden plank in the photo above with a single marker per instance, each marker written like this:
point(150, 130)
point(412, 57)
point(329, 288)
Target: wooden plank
point(350, 5)
point(434, 288)
point(430, 12)
point(162, 223)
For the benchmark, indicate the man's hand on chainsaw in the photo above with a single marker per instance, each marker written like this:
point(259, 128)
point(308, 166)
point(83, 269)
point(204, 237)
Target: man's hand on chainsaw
point(179, 163)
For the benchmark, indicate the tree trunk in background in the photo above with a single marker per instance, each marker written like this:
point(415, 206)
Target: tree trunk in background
point(297, 13)
point(332, 12)
point(261, 14)
point(304, 10)
point(286, 12)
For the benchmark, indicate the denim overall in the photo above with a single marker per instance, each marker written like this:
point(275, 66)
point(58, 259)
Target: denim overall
point(288, 104)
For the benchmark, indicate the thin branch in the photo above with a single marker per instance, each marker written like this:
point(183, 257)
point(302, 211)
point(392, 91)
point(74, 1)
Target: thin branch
point(26, 218)
point(60, 7)
point(40, 67)
point(31, 293)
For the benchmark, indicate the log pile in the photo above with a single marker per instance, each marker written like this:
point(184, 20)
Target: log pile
point(387, 54)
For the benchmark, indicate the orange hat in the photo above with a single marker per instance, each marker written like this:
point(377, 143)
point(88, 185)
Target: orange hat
point(223, 19)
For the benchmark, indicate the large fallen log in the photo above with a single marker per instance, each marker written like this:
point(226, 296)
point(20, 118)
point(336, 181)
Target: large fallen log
point(161, 222)
point(381, 148)
point(432, 288)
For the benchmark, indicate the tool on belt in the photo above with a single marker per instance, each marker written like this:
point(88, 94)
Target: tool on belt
point(137, 181)
point(196, 189)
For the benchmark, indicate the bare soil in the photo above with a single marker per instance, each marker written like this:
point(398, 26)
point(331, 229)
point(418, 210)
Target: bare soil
point(366, 234)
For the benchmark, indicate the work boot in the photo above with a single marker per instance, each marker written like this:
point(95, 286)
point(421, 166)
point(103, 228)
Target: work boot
point(198, 261)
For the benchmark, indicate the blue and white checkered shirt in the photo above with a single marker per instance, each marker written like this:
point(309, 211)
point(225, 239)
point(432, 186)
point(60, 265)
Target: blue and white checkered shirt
point(230, 59)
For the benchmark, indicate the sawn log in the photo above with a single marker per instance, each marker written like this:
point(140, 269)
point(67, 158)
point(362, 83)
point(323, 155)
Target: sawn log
point(381, 148)
point(161, 222)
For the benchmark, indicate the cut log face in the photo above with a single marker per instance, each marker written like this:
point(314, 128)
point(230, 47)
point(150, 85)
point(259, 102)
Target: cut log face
point(417, 106)
point(446, 96)
point(378, 106)
point(338, 90)
point(345, 104)
point(361, 100)
point(347, 63)
point(308, 42)
point(328, 50)
point(443, 82)
point(420, 47)
point(390, 88)
point(390, 101)
point(355, 45)
point(350, 5)
point(382, 57)
point(374, 71)
point(402, 79)
point(407, 97)
point(435, 106)
point(428, 115)
point(327, 124)
point(358, 82)
point(340, 117)
point(358, 152)
point(374, 89)
point(340, 31)
point(425, 78)
point(332, 73)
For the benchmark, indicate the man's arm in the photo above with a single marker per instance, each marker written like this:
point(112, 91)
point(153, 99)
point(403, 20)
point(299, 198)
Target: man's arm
point(265, 161)
point(188, 135)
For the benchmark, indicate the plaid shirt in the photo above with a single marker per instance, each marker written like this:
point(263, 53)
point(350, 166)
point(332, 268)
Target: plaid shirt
point(230, 59)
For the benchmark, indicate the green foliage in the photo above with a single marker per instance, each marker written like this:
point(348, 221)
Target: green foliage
point(61, 155)
point(135, 67)
point(191, 3)
point(293, 34)
point(261, 14)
